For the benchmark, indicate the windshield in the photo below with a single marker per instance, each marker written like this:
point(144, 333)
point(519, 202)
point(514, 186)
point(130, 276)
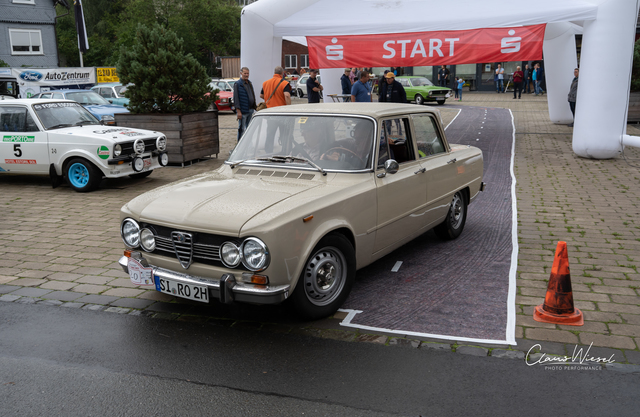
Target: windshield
point(420, 82)
point(56, 115)
point(330, 142)
point(120, 89)
point(87, 97)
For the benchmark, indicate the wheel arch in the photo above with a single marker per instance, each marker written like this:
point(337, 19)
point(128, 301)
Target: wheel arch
point(64, 160)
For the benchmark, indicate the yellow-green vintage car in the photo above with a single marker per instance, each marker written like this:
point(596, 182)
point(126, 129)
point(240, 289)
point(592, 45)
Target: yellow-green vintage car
point(310, 194)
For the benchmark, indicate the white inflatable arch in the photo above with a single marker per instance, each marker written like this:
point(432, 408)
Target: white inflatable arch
point(608, 29)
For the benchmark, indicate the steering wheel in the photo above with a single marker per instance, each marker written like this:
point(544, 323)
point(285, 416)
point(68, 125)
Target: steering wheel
point(343, 151)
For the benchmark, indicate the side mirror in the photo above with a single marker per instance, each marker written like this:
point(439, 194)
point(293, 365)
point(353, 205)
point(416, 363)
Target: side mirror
point(110, 101)
point(391, 166)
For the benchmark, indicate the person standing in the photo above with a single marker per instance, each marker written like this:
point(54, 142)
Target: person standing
point(443, 76)
point(499, 78)
point(537, 78)
point(352, 75)
point(360, 91)
point(456, 88)
point(278, 93)
point(345, 83)
point(391, 91)
point(460, 82)
point(573, 92)
point(245, 100)
point(527, 79)
point(518, 77)
point(313, 87)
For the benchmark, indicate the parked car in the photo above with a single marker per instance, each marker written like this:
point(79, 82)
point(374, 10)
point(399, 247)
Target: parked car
point(301, 85)
point(92, 101)
point(112, 92)
point(225, 93)
point(421, 90)
point(293, 215)
point(61, 138)
point(9, 87)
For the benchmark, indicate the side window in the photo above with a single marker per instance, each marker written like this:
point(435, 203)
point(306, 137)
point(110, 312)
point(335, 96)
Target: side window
point(106, 92)
point(46, 95)
point(14, 119)
point(427, 136)
point(58, 96)
point(395, 142)
point(31, 125)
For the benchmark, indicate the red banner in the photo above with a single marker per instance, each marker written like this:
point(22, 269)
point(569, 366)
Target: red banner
point(451, 47)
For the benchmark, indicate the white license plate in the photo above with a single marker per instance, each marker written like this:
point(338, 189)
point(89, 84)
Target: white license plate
point(179, 289)
point(139, 274)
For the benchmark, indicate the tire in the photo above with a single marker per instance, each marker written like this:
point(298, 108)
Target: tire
point(453, 224)
point(141, 174)
point(82, 175)
point(300, 93)
point(441, 102)
point(313, 299)
point(419, 100)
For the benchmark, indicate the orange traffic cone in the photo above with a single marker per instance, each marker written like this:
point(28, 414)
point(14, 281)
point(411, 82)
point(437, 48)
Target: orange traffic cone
point(558, 303)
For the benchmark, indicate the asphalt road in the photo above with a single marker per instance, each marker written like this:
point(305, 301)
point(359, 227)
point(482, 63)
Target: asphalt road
point(64, 361)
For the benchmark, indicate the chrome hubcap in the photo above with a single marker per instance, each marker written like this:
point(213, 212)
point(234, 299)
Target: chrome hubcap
point(457, 211)
point(324, 276)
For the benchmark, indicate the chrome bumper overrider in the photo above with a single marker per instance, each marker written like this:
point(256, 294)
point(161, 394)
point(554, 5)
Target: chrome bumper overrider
point(231, 289)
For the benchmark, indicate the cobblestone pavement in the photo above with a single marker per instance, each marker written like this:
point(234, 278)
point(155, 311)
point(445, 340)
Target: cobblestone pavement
point(61, 248)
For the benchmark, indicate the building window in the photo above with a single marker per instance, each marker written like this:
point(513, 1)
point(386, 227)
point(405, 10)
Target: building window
point(25, 1)
point(291, 61)
point(304, 61)
point(25, 42)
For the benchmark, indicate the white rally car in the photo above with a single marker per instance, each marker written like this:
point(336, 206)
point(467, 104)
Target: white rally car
point(62, 139)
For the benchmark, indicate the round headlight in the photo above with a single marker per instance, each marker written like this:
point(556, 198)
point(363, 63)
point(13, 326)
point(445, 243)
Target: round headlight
point(130, 232)
point(117, 150)
point(147, 240)
point(138, 146)
point(161, 143)
point(255, 255)
point(137, 164)
point(230, 254)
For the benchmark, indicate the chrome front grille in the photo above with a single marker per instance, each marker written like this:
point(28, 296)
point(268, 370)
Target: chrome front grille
point(195, 252)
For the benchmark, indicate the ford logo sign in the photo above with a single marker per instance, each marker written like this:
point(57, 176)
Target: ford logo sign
point(31, 76)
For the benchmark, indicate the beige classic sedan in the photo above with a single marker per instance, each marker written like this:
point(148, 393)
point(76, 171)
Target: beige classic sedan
point(310, 194)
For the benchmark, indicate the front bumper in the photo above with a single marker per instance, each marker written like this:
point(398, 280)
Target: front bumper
point(227, 289)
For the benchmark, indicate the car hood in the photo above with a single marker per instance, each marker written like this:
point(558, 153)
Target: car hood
point(216, 202)
point(100, 132)
point(104, 109)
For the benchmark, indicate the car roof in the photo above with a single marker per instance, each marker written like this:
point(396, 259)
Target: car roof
point(364, 109)
point(31, 101)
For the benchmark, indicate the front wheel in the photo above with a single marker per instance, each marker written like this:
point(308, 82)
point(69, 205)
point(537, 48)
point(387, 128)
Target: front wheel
point(327, 278)
point(82, 175)
point(441, 102)
point(453, 224)
point(419, 100)
point(300, 93)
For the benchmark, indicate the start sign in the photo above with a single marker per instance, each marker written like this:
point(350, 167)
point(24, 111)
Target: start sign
point(450, 47)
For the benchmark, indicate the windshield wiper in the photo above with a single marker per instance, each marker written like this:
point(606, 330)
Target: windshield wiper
point(82, 122)
point(290, 158)
point(59, 126)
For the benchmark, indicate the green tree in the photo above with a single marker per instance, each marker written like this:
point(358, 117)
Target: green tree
point(3, 64)
point(166, 80)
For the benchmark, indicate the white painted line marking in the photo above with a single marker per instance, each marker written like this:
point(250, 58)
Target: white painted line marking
point(396, 267)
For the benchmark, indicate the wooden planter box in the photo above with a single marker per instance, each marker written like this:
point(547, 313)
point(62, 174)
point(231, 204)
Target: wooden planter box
point(634, 108)
point(189, 136)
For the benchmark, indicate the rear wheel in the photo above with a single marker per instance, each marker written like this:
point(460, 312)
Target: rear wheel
point(419, 99)
point(82, 175)
point(453, 224)
point(326, 279)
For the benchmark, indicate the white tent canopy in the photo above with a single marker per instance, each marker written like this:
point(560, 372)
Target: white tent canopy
point(608, 28)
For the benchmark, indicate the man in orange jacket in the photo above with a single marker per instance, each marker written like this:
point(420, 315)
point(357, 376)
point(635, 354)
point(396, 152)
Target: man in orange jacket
point(276, 91)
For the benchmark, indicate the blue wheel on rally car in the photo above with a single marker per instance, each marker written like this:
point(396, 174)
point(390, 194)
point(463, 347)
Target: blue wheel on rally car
point(82, 175)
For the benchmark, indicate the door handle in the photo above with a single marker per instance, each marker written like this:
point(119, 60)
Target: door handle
point(452, 161)
point(420, 171)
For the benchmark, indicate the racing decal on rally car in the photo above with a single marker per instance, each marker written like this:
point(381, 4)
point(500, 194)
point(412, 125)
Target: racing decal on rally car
point(103, 152)
point(20, 161)
point(105, 131)
point(18, 138)
point(54, 105)
point(131, 134)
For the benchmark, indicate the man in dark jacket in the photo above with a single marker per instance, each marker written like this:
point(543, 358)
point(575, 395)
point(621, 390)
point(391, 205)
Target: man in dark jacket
point(345, 82)
point(244, 99)
point(573, 92)
point(391, 91)
point(313, 87)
